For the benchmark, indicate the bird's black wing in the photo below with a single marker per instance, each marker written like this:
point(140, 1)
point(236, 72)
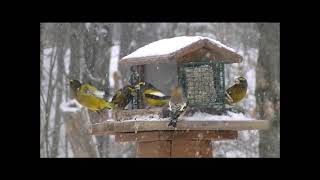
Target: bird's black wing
point(229, 91)
point(116, 96)
point(157, 97)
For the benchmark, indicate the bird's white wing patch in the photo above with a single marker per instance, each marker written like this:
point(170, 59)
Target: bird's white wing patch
point(157, 93)
point(99, 94)
point(183, 107)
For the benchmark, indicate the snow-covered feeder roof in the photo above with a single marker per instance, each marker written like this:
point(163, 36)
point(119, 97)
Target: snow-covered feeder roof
point(182, 49)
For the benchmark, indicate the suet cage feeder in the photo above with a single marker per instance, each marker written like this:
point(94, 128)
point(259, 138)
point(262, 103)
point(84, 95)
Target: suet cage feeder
point(200, 71)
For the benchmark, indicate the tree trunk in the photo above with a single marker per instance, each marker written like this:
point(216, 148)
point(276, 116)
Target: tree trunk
point(97, 44)
point(82, 143)
point(126, 37)
point(41, 92)
point(59, 89)
point(268, 88)
point(48, 102)
point(74, 68)
point(41, 51)
point(76, 122)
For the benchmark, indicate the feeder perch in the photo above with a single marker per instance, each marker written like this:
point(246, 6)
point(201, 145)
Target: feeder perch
point(200, 65)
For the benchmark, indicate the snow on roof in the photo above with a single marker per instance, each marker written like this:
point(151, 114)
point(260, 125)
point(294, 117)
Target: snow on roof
point(169, 48)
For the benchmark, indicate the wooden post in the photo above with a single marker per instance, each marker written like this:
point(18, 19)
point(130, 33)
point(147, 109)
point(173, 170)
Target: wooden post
point(175, 148)
point(166, 144)
point(155, 138)
point(154, 149)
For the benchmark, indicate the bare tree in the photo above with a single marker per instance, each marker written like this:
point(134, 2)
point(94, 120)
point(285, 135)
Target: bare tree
point(75, 41)
point(48, 101)
point(61, 28)
point(126, 43)
point(268, 88)
point(41, 92)
point(97, 43)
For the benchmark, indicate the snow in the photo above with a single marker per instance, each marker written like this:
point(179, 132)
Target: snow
point(70, 106)
point(48, 51)
point(67, 60)
point(115, 52)
point(198, 116)
point(201, 116)
point(167, 46)
point(150, 117)
point(87, 25)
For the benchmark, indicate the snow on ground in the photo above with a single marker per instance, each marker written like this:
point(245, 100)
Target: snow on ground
point(167, 46)
point(115, 52)
point(70, 106)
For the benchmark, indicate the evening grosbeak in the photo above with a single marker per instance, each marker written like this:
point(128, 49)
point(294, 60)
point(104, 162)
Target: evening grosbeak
point(151, 95)
point(89, 97)
point(237, 92)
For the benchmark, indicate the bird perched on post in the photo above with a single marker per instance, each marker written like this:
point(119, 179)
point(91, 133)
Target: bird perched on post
point(177, 105)
point(123, 96)
point(237, 92)
point(89, 97)
point(151, 95)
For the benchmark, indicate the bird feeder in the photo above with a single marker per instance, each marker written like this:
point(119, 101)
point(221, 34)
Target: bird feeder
point(200, 65)
point(200, 68)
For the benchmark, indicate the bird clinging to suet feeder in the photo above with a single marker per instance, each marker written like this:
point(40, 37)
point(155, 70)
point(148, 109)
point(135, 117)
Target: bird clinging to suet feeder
point(177, 105)
point(237, 92)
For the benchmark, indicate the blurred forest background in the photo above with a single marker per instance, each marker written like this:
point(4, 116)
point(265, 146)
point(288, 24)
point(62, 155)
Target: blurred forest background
point(90, 52)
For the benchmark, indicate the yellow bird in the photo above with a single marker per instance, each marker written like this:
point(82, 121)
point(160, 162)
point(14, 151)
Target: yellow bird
point(237, 92)
point(151, 95)
point(89, 97)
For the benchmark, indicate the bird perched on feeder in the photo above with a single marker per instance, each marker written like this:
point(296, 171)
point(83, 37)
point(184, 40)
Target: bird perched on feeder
point(177, 105)
point(89, 97)
point(237, 92)
point(151, 95)
point(123, 96)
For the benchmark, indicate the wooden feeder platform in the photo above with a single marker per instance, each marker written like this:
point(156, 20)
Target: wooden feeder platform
point(155, 138)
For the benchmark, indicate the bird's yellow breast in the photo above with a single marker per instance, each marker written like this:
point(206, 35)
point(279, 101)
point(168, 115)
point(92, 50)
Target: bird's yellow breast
point(238, 94)
point(155, 102)
point(91, 102)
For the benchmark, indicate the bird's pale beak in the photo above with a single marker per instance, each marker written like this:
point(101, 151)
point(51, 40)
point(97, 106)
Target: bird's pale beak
point(237, 81)
point(137, 87)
